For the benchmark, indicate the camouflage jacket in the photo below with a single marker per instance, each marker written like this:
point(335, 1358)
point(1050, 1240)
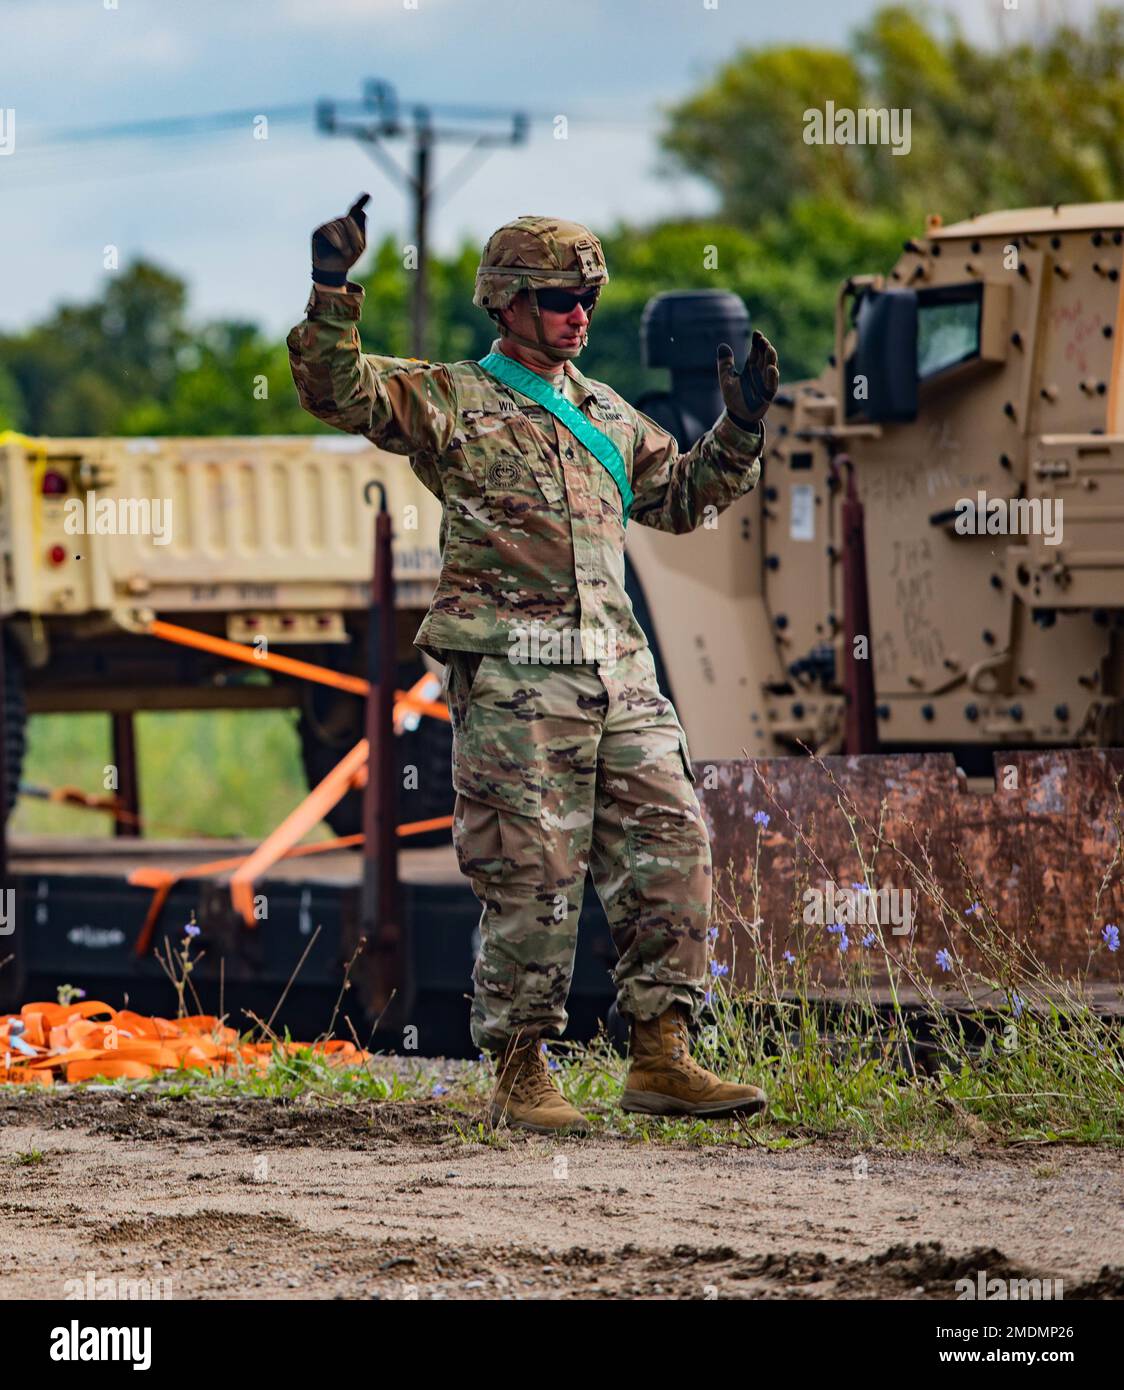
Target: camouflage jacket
point(532, 536)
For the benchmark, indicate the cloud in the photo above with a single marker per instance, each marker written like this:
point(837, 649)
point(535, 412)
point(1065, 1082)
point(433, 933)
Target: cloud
point(320, 14)
point(60, 44)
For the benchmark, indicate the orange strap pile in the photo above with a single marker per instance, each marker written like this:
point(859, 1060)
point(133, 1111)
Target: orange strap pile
point(43, 1041)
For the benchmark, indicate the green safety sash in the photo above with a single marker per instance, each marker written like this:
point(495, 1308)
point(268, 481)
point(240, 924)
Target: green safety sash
point(529, 383)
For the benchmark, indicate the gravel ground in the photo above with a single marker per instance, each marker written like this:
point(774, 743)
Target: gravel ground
point(260, 1199)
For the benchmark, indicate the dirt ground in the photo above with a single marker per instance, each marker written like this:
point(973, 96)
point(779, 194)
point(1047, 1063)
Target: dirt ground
point(267, 1199)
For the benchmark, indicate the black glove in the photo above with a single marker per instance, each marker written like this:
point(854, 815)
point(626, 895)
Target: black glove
point(336, 246)
point(749, 394)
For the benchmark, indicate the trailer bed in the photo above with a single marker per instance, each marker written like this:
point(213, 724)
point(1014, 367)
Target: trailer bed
point(95, 856)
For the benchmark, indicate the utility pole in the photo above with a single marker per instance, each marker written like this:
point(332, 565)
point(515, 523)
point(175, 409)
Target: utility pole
point(378, 118)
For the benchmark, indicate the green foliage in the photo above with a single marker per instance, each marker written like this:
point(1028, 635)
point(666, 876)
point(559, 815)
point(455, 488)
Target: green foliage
point(129, 363)
point(11, 404)
point(743, 132)
point(78, 372)
point(456, 330)
point(228, 773)
point(786, 270)
point(991, 127)
point(234, 383)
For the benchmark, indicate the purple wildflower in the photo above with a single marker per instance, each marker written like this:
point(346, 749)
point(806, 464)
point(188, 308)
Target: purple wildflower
point(1016, 1003)
point(843, 942)
point(191, 929)
point(712, 933)
point(439, 1090)
point(837, 927)
point(973, 911)
point(761, 818)
point(870, 938)
point(944, 960)
point(716, 970)
point(789, 958)
point(1111, 936)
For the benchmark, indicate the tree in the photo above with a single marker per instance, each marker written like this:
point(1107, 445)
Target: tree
point(1032, 123)
point(81, 369)
point(11, 404)
point(230, 380)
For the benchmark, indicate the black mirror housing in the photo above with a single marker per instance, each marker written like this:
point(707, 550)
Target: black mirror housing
point(881, 375)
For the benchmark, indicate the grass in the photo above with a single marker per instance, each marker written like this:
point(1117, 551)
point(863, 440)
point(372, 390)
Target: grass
point(1063, 1081)
point(305, 1074)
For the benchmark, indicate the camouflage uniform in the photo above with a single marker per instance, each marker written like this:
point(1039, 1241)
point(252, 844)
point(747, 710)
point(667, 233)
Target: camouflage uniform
point(555, 767)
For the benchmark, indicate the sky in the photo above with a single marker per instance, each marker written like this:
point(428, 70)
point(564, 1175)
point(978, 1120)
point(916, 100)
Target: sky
point(232, 214)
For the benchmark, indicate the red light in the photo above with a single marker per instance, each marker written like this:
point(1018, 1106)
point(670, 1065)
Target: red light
point(54, 483)
point(56, 554)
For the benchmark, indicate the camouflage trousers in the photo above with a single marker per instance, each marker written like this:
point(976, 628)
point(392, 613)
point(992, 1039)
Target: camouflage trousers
point(558, 769)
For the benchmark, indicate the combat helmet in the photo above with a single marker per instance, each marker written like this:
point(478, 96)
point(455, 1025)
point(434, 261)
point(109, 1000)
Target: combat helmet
point(537, 253)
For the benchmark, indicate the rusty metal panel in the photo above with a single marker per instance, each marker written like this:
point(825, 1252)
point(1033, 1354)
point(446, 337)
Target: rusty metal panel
point(1043, 849)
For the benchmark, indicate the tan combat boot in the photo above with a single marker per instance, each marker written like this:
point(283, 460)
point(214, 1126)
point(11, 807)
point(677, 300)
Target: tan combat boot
point(664, 1079)
point(526, 1095)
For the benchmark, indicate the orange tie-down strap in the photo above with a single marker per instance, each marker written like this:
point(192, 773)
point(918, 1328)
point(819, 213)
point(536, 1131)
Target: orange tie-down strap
point(76, 1042)
point(288, 666)
point(162, 881)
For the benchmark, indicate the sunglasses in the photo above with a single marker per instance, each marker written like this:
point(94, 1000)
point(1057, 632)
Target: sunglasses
point(564, 301)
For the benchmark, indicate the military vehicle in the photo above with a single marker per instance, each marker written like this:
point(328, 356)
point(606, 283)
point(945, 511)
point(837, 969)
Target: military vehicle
point(987, 361)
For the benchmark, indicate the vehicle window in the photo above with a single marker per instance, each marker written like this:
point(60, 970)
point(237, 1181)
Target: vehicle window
point(948, 330)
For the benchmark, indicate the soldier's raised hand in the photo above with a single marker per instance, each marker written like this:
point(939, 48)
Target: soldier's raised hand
point(337, 245)
point(748, 394)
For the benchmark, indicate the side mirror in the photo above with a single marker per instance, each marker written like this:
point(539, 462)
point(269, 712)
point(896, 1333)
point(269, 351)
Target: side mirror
point(880, 377)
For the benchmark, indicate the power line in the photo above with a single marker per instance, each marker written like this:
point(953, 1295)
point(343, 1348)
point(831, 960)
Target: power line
point(159, 126)
point(143, 163)
point(216, 122)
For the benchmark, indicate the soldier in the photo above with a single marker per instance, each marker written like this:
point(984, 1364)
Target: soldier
point(566, 756)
